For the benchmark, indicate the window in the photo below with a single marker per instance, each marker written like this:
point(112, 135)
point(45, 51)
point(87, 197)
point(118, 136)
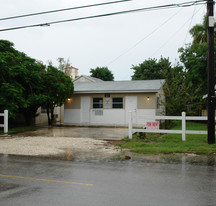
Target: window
point(117, 102)
point(97, 103)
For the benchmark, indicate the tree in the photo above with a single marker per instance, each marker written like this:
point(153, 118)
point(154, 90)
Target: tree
point(31, 77)
point(63, 64)
point(102, 73)
point(199, 32)
point(10, 91)
point(57, 87)
point(20, 76)
point(26, 84)
point(10, 98)
point(194, 59)
point(150, 69)
point(175, 90)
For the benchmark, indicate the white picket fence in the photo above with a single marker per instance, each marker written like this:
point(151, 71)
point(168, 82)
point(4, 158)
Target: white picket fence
point(183, 131)
point(5, 125)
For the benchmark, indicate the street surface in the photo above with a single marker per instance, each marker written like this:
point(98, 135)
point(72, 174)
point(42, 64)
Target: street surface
point(32, 181)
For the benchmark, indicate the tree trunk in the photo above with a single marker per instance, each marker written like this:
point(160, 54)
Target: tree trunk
point(49, 120)
point(52, 116)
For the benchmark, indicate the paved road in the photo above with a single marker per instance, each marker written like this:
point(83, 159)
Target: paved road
point(31, 182)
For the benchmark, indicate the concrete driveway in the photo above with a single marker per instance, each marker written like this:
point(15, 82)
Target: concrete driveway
point(102, 133)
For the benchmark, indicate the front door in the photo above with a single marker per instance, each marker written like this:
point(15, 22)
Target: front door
point(85, 110)
point(130, 105)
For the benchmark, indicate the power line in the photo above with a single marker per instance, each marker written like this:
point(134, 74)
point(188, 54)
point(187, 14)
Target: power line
point(185, 4)
point(189, 25)
point(60, 10)
point(174, 33)
point(140, 41)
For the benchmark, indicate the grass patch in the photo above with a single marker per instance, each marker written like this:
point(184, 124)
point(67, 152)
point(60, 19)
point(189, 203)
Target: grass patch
point(172, 143)
point(20, 129)
point(189, 125)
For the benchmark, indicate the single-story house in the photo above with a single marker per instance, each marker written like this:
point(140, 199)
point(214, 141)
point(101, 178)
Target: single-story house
point(108, 103)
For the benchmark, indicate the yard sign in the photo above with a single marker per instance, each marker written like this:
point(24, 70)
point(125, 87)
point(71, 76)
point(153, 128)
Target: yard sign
point(152, 125)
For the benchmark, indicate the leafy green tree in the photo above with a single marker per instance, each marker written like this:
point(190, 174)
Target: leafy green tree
point(194, 59)
point(150, 69)
point(10, 90)
point(57, 86)
point(175, 90)
point(10, 98)
point(26, 84)
point(20, 77)
point(102, 73)
point(199, 32)
point(31, 77)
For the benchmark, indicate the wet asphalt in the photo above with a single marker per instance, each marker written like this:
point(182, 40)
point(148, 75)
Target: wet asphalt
point(175, 181)
point(33, 181)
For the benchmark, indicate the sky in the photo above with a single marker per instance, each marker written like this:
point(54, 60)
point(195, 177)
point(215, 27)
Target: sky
point(117, 42)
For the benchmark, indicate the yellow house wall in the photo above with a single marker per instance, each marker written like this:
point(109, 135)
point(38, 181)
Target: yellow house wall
point(142, 102)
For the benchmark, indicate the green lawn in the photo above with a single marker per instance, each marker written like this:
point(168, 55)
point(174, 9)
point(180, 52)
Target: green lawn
point(172, 143)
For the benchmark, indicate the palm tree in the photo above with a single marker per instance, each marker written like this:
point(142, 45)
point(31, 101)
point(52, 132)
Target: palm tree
point(199, 32)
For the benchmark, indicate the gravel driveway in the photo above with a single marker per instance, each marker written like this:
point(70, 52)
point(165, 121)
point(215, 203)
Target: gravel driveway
point(70, 144)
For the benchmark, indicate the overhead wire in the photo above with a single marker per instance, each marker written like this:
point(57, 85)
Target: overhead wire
point(190, 24)
point(185, 4)
point(61, 10)
point(140, 41)
point(148, 35)
point(174, 34)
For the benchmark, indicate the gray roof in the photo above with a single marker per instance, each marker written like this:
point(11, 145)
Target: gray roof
point(119, 86)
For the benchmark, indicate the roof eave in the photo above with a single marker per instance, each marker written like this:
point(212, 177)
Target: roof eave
point(119, 91)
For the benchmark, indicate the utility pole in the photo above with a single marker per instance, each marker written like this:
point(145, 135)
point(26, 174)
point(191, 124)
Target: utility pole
point(210, 64)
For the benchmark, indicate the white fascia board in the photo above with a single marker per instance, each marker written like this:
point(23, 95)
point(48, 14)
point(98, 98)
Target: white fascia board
point(93, 92)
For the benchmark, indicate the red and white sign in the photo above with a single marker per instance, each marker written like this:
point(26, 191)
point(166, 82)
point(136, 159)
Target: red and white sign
point(152, 125)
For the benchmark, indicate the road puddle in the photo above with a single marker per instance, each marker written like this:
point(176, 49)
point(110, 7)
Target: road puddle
point(70, 155)
point(209, 160)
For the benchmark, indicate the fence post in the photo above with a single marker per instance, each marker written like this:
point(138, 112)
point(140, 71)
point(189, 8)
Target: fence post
point(5, 121)
point(130, 125)
point(183, 126)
